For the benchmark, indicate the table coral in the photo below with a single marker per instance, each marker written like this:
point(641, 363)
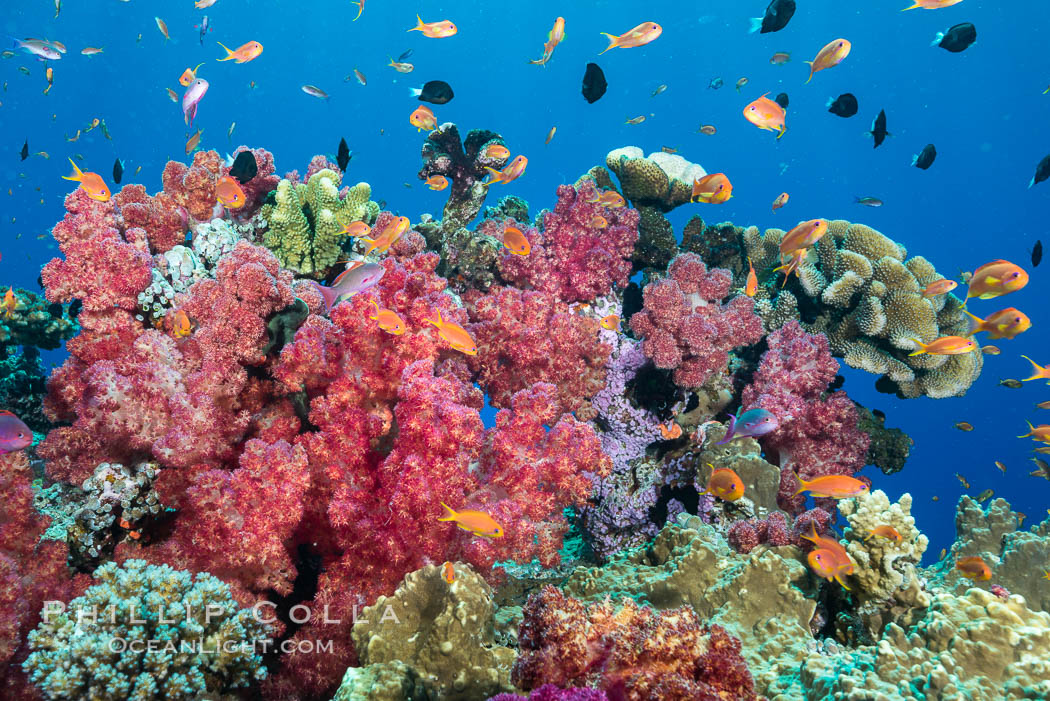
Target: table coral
point(305, 224)
point(866, 296)
point(442, 630)
point(524, 337)
point(576, 257)
point(685, 325)
point(633, 651)
point(818, 434)
point(78, 651)
point(464, 163)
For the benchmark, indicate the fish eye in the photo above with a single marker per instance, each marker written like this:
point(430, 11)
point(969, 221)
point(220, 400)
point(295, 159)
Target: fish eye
point(21, 435)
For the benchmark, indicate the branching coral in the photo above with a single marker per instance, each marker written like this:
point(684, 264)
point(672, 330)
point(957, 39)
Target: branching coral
point(686, 327)
point(463, 163)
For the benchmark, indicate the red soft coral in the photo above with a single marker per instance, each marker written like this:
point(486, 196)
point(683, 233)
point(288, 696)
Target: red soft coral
point(159, 216)
point(686, 327)
point(577, 257)
point(818, 435)
point(524, 337)
point(193, 187)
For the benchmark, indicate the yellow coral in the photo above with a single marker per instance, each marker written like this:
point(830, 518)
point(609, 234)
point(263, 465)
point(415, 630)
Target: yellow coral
point(659, 179)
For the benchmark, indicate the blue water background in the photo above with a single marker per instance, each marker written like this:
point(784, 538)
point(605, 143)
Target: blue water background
point(983, 109)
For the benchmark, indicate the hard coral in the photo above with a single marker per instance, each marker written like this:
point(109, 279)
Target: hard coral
point(634, 652)
point(524, 337)
point(577, 257)
point(817, 435)
point(686, 327)
point(463, 164)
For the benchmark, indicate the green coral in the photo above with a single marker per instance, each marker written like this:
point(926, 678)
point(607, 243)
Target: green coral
point(146, 632)
point(305, 223)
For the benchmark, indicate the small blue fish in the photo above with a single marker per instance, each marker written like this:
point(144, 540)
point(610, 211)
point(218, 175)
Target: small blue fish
point(751, 424)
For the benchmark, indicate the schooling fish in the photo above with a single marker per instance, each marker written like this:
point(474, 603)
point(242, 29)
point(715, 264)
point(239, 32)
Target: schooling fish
point(14, 434)
point(878, 129)
point(995, 279)
point(958, 38)
point(1011, 384)
point(515, 242)
point(314, 91)
point(714, 188)
point(945, 345)
point(845, 105)
point(831, 55)
point(1043, 469)
point(387, 320)
point(434, 30)
point(715, 84)
point(778, 14)
point(924, 159)
point(229, 193)
point(118, 171)
point(724, 484)
point(1042, 171)
point(357, 277)
point(436, 92)
point(342, 156)
point(973, 567)
point(932, 4)
point(195, 92)
point(780, 201)
point(477, 522)
point(594, 86)
point(1037, 253)
point(91, 183)
point(422, 118)
point(24, 153)
point(639, 36)
point(887, 532)
point(750, 424)
point(1005, 323)
point(766, 115)
point(455, 335)
point(833, 486)
point(244, 167)
point(1039, 433)
point(243, 53)
point(512, 171)
point(1041, 372)
point(939, 287)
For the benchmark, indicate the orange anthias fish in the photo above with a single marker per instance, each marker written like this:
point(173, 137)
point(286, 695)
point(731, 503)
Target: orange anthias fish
point(512, 171)
point(831, 55)
point(243, 53)
point(610, 322)
point(515, 241)
point(834, 561)
point(356, 229)
point(1040, 372)
point(712, 189)
point(939, 287)
point(423, 118)
point(670, 431)
point(791, 266)
point(455, 335)
point(1005, 323)
point(178, 324)
point(436, 182)
point(497, 151)
point(639, 36)
point(608, 198)
point(599, 222)
point(751, 286)
point(997, 278)
point(802, 236)
point(360, 8)
point(767, 115)
point(229, 193)
point(448, 573)
point(724, 484)
point(194, 141)
point(91, 183)
point(477, 522)
point(388, 236)
point(945, 345)
point(10, 303)
point(388, 320)
point(888, 532)
point(973, 567)
point(932, 4)
point(434, 30)
point(554, 37)
point(162, 27)
point(187, 77)
point(833, 486)
point(780, 201)
point(1039, 433)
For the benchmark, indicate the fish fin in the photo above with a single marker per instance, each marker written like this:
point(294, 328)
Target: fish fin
point(77, 175)
point(451, 515)
point(912, 7)
point(921, 350)
point(993, 280)
point(613, 39)
point(810, 72)
point(938, 39)
point(419, 26)
point(229, 54)
point(327, 294)
point(1039, 370)
point(730, 430)
point(756, 24)
point(839, 580)
point(376, 305)
point(975, 323)
point(782, 130)
point(360, 9)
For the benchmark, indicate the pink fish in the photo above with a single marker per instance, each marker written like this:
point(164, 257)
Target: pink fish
point(14, 435)
point(194, 94)
point(357, 277)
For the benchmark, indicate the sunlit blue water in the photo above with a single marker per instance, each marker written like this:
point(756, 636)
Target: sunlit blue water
point(983, 109)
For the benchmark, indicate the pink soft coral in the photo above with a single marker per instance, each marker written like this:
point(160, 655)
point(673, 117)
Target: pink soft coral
point(525, 337)
point(686, 326)
point(818, 434)
point(576, 257)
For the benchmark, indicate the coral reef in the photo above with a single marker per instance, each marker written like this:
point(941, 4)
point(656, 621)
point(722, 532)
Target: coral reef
point(861, 290)
point(306, 222)
point(28, 320)
point(443, 631)
point(685, 326)
point(463, 162)
point(583, 251)
point(633, 650)
point(23, 385)
point(81, 651)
